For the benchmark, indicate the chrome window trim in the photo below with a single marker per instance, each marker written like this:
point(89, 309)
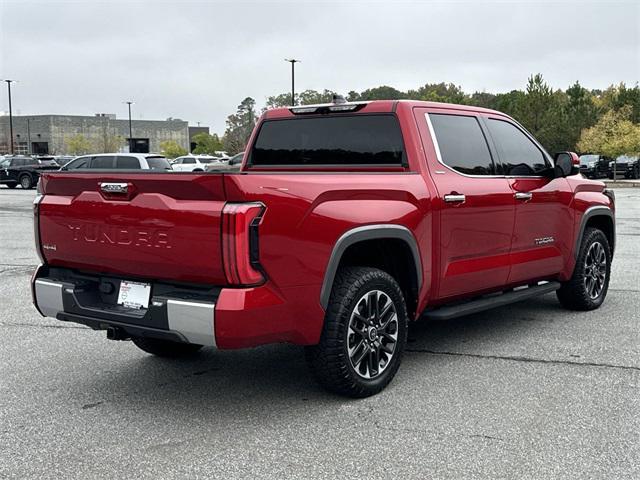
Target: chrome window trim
point(436, 146)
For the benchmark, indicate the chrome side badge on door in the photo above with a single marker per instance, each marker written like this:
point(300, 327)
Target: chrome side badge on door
point(544, 240)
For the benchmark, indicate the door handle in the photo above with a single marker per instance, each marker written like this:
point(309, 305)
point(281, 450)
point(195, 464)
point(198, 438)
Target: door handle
point(454, 198)
point(523, 196)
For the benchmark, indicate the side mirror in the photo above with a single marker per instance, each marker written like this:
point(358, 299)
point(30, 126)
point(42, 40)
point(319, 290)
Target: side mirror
point(567, 164)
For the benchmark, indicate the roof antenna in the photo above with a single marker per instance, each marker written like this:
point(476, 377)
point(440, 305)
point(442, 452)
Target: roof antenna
point(338, 98)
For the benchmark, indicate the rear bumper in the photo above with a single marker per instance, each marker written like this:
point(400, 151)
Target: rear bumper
point(177, 315)
point(226, 318)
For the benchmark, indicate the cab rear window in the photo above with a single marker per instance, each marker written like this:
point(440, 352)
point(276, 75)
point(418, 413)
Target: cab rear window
point(330, 140)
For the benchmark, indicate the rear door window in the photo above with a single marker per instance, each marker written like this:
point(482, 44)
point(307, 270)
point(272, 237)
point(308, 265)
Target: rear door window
point(130, 163)
point(102, 162)
point(330, 140)
point(518, 154)
point(188, 160)
point(461, 143)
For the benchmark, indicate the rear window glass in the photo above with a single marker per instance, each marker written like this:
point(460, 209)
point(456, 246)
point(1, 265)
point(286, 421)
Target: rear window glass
point(127, 162)
point(158, 163)
point(330, 140)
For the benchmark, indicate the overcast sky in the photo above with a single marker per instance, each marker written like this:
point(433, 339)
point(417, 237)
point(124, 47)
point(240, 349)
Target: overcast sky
point(198, 60)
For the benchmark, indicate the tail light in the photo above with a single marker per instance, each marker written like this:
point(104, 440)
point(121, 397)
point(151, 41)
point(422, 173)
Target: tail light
point(240, 249)
point(36, 222)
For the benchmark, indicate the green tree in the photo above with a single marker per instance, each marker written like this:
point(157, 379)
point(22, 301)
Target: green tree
point(581, 112)
point(617, 96)
point(541, 111)
point(439, 92)
point(483, 99)
point(281, 100)
point(614, 134)
point(306, 97)
point(77, 145)
point(171, 149)
point(239, 126)
point(207, 144)
point(311, 97)
point(383, 92)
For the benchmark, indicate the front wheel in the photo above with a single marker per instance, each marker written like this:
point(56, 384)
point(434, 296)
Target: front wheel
point(364, 334)
point(587, 288)
point(12, 185)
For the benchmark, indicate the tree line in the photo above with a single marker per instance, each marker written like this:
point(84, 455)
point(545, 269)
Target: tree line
point(576, 119)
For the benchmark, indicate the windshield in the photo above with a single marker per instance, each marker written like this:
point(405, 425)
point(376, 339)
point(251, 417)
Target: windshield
point(585, 159)
point(5, 163)
point(158, 163)
point(626, 159)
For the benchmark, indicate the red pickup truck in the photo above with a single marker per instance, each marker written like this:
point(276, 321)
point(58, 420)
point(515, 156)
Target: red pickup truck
point(346, 222)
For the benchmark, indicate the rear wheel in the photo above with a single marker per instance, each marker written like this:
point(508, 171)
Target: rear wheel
point(364, 334)
point(165, 348)
point(587, 288)
point(25, 182)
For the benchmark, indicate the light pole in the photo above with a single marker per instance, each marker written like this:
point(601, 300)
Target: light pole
point(293, 62)
point(130, 129)
point(29, 150)
point(10, 116)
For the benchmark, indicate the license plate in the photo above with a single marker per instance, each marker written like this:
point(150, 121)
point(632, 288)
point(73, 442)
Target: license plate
point(134, 294)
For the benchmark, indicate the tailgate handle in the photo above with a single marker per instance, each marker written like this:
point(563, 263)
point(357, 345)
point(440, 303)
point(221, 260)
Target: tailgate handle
point(114, 188)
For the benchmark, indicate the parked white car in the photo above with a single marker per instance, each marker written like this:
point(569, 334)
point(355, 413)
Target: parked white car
point(119, 161)
point(193, 163)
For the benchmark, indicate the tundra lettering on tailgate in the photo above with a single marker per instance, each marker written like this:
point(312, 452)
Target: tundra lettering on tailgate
point(113, 235)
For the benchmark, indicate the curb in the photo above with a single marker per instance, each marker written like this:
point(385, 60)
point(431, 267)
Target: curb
point(613, 184)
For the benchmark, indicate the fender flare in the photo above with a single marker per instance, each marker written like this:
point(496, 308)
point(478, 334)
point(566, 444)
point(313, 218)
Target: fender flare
point(359, 234)
point(597, 211)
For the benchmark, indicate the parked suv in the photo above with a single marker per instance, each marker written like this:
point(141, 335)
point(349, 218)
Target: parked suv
point(23, 170)
point(594, 166)
point(119, 161)
point(624, 166)
point(346, 222)
point(193, 163)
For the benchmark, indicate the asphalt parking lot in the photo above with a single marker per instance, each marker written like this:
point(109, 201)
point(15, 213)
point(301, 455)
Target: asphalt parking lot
point(527, 391)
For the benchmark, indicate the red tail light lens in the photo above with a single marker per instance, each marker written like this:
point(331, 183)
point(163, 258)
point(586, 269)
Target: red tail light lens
point(240, 249)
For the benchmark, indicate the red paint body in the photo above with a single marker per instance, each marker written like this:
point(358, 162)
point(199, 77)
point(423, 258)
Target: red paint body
point(170, 228)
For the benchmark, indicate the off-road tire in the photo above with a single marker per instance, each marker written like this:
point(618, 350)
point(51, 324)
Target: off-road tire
point(165, 348)
point(573, 294)
point(329, 360)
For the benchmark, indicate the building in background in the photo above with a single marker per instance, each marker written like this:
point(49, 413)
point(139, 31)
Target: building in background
point(54, 134)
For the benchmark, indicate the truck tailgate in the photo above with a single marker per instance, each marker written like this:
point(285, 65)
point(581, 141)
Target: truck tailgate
point(165, 226)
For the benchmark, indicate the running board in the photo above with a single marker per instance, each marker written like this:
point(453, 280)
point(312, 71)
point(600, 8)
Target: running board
point(474, 306)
